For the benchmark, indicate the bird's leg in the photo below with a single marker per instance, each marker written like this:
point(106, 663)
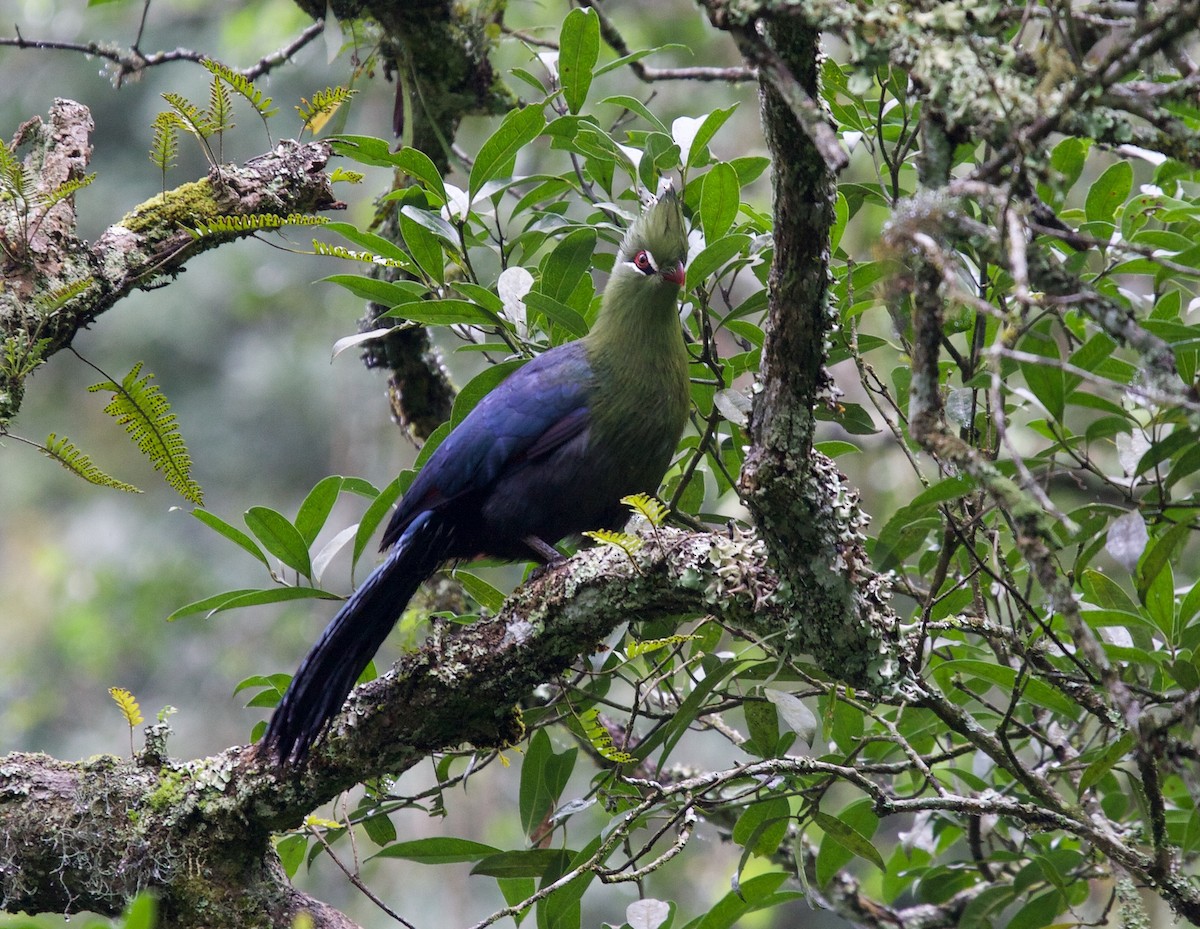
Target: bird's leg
point(547, 553)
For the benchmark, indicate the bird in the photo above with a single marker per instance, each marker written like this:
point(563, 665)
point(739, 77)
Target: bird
point(547, 454)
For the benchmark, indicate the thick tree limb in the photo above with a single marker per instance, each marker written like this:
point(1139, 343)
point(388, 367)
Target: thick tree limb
point(44, 256)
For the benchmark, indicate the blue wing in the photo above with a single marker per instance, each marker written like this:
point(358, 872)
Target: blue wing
point(537, 410)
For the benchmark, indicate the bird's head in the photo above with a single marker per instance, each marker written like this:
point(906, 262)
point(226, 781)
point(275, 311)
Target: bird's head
point(656, 243)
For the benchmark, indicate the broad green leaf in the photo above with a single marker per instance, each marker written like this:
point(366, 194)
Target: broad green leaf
point(488, 596)
point(1108, 192)
point(692, 135)
point(416, 163)
point(557, 313)
point(386, 293)
point(566, 264)
point(531, 862)
point(232, 533)
point(438, 850)
point(310, 518)
point(424, 247)
point(842, 833)
point(279, 537)
point(634, 105)
point(380, 829)
point(519, 128)
point(291, 849)
point(1107, 760)
point(578, 49)
point(379, 508)
point(1033, 689)
point(442, 313)
point(233, 599)
point(720, 198)
point(762, 826)
point(751, 895)
point(376, 244)
point(544, 774)
point(714, 256)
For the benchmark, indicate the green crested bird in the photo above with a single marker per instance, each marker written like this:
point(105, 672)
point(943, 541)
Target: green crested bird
point(548, 453)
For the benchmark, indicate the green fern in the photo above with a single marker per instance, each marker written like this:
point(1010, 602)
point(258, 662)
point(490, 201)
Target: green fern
point(225, 225)
point(48, 303)
point(339, 251)
point(634, 649)
point(622, 540)
point(61, 191)
point(242, 86)
point(191, 117)
point(220, 107)
point(165, 147)
point(22, 354)
point(75, 461)
point(653, 509)
point(146, 414)
point(316, 113)
point(350, 177)
point(600, 739)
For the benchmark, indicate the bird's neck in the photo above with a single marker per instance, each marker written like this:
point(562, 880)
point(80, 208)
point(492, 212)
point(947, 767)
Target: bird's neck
point(637, 352)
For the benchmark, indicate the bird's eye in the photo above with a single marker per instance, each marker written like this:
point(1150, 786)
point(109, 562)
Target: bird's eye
point(643, 262)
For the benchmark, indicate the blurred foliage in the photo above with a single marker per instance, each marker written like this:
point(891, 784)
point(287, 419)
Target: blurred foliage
point(1001, 785)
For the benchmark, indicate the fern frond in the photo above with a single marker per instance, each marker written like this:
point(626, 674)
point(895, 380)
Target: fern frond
point(22, 355)
point(127, 704)
point(222, 225)
point(78, 463)
point(47, 303)
point(338, 251)
point(165, 146)
point(317, 112)
point(622, 540)
point(350, 177)
point(653, 509)
point(64, 190)
point(9, 163)
point(191, 117)
point(601, 740)
point(636, 649)
point(242, 86)
point(146, 414)
point(220, 107)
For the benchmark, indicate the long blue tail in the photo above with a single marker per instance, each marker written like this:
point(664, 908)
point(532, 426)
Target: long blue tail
point(333, 664)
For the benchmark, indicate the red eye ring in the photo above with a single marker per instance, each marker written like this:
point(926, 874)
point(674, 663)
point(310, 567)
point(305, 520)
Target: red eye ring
point(643, 262)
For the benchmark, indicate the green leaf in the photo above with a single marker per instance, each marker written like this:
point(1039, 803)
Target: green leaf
point(519, 128)
point(279, 537)
point(380, 507)
point(385, 293)
point(544, 775)
point(442, 313)
point(1107, 760)
point(634, 105)
point(291, 849)
point(557, 313)
point(751, 895)
point(234, 599)
point(1108, 192)
point(416, 163)
point(488, 596)
point(692, 135)
point(567, 264)
point(310, 518)
point(232, 533)
point(438, 850)
point(848, 838)
point(80, 464)
point(578, 49)
point(762, 826)
point(713, 257)
point(1033, 689)
point(532, 862)
point(720, 198)
point(424, 247)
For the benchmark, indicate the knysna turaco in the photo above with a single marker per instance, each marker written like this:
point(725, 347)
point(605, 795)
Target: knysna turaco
point(548, 453)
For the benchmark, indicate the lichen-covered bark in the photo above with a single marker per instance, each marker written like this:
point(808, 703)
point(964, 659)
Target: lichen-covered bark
point(45, 258)
point(90, 834)
point(806, 513)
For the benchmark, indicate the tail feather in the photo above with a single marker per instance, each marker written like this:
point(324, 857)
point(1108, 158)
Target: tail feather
point(329, 670)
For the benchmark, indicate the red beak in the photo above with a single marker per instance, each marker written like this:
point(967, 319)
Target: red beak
point(674, 274)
